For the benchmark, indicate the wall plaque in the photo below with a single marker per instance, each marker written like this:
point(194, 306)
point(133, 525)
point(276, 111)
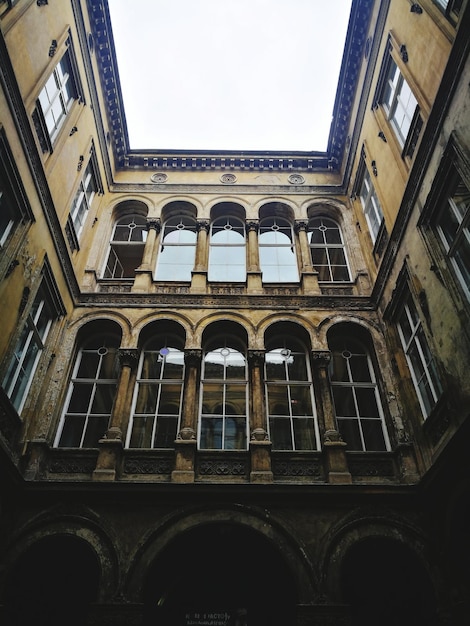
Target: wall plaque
point(215, 618)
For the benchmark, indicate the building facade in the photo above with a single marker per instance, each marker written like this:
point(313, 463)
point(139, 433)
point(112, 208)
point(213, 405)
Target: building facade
point(234, 386)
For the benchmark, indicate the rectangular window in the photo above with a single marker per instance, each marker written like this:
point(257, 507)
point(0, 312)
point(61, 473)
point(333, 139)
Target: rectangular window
point(371, 205)
point(395, 97)
point(29, 347)
point(452, 224)
point(450, 8)
point(445, 220)
point(418, 355)
point(56, 98)
point(14, 205)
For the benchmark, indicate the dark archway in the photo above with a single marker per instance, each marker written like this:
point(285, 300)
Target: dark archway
point(220, 567)
point(52, 583)
point(386, 584)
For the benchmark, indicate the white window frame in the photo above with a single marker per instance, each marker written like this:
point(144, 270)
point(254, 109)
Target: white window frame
point(290, 385)
point(240, 249)
point(394, 99)
point(76, 380)
point(185, 223)
point(357, 385)
point(371, 205)
point(57, 96)
point(285, 227)
point(113, 268)
point(460, 214)
point(224, 382)
point(160, 384)
point(31, 338)
point(417, 341)
point(81, 204)
point(327, 247)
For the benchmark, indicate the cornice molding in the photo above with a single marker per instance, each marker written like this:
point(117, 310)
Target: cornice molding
point(331, 160)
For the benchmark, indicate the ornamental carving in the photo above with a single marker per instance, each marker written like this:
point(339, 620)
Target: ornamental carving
point(296, 179)
point(147, 466)
point(192, 357)
point(256, 357)
point(321, 358)
point(154, 223)
point(159, 178)
point(128, 357)
point(297, 468)
point(222, 468)
point(228, 179)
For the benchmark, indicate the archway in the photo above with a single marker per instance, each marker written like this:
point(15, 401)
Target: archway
point(226, 574)
point(386, 584)
point(52, 583)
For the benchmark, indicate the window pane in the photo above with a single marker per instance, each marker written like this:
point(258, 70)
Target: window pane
point(146, 399)
point(72, 432)
point(103, 399)
point(349, 430)
point(212, 399)
point(89, 363)
point(235, 399)
point(141, 432)
point(372, 432)
point(297, 366)
point(304, 435)
point(344, 402)
point(174, 364)
point(366, 402)
point(211, 433)
point(165, 434)
point(96, 429)
point(80, 399)
point(301, 400)
point(359, 366)
point(214, 365)
point(170, 399)
point(235, 434)
point(278, 400)
point(280, 433)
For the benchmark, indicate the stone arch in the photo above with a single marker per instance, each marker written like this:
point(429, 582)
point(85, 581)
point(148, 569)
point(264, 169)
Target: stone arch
point(276, 209)
point(379, 552)
point(296, 320)
point(131, 205)
point(171, 317)
point(52, 545)
point(215, 318)
point(266, 529)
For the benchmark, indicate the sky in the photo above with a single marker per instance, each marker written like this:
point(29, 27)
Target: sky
point(229, 74)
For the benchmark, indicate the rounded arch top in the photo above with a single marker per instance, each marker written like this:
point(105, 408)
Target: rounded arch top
point(130, 207)
point(276, 209)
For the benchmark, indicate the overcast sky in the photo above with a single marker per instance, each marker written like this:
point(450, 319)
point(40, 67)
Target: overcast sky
point(229, 74)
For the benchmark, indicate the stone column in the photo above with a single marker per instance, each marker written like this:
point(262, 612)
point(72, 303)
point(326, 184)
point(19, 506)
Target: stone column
point(260, 446)
point(144, 273)
point(199, 274)
point(111, 446)
point(254, 270)
point(186, 441)
point(334, 448)
point(309, 274)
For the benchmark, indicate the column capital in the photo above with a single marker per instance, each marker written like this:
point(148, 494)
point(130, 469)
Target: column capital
point(203, 225)
point(321, 358)
point(154, 222)
point(252, 225)
point(256, 357)
point(301, 225)
point(192, 356)
point(128, 357)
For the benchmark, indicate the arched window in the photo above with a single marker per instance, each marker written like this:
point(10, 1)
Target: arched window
point(156, 409)
point(177, 249)
point(292, 419)
point(328, 250)
point(91, 394)
point(126, 247)
point(358, 409)
point(227, 255)
point(276, 251)
point(223, 423)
